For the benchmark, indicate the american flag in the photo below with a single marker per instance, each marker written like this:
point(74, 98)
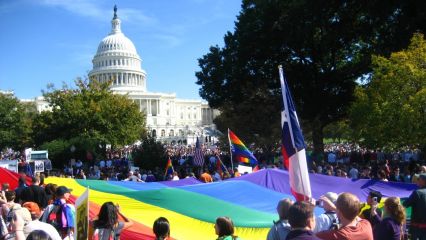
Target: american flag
point(198, 154)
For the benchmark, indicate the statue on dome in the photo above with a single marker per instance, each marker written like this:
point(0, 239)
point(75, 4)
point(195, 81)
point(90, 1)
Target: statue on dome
point(115, 11)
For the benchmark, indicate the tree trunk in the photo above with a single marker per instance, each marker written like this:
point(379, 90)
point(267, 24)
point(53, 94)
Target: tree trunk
point(317, 138)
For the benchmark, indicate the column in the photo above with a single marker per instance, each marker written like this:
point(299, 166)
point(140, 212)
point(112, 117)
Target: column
point(158, 107)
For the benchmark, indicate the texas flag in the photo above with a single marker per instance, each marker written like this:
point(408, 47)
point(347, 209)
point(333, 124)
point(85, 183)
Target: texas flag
point(293, 146)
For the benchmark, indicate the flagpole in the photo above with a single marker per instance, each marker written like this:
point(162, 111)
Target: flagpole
point(230, 151)
point(222, 163)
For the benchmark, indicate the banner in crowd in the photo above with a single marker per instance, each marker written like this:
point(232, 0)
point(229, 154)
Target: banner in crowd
point(39, 166)
point(47, 165)
point(11, 165)
point(28, 154)
point(81, 230)
point(244, 169)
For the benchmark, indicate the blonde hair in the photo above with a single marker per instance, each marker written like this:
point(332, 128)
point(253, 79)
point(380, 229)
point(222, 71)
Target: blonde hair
point(349, 205)
point(395, 210)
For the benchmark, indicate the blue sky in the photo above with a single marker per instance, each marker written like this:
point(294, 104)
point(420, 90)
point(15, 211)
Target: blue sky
point(54, 41)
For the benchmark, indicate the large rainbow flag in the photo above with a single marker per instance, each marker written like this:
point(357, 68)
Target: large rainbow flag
point(240, 151)
point(192, 207)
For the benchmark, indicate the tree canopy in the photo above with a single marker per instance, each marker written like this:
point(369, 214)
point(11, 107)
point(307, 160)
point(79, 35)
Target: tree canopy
point(390, 111)
point(91, 111)
point(15, 123)
point(324, 46)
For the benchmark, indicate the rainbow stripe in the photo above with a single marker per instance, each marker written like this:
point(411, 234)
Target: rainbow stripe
point(239, 151)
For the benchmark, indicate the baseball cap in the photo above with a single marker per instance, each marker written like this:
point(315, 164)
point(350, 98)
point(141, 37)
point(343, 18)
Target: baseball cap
point(61, 190)
point(33, 208)
point(332, 196)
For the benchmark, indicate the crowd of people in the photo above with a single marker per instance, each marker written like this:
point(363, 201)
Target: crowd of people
point(42, 211)
point(343, 217)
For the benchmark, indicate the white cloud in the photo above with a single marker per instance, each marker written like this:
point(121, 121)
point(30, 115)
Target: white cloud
point(93, 9)
point(85, 8)
point(135, 16)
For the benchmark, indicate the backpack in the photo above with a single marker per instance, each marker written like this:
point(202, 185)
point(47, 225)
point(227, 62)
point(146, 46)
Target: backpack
point(333, 219)
point(11, 212)
point(54, 218)
point(105, 234)
point(101, 233)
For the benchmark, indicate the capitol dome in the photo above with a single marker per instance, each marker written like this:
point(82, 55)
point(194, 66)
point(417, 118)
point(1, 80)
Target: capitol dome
point(117, 60)
point(116, 42)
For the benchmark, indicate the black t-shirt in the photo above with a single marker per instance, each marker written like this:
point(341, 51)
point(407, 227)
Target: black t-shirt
point(35, 194)
point(366, 214)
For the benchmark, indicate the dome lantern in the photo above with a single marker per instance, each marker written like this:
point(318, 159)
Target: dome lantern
point(116, 23)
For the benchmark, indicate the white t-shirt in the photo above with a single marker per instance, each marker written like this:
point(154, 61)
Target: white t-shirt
point(45, 227)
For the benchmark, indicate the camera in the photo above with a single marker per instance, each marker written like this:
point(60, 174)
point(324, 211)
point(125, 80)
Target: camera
point(319, 203)
point(374, 199)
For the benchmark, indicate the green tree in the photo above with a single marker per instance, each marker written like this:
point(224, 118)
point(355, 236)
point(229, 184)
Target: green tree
point(150, 154)
point(15, 123)
point(391, 110)
point(324, 46)
point(92, 113)
point(338, 131)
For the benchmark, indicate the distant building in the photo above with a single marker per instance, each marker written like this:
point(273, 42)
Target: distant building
point(168, 118)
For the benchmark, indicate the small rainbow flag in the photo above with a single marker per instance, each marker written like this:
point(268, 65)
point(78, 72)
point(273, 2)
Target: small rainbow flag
point(240, 151)
point(169, 168)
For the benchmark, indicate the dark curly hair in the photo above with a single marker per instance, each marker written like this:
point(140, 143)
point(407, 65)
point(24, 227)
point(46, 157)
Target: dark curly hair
point(107, 217)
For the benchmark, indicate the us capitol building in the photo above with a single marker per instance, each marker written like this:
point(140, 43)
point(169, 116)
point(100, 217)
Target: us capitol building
point(168, 118)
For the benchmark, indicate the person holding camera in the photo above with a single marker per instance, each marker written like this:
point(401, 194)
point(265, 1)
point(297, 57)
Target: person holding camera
point(351, 226)
point(392, 226)
point(328, 220)
point(374, 198)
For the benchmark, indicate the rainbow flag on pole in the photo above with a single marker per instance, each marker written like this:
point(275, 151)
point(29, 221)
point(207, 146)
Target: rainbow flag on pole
point(169, 168)
point(240, 151)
